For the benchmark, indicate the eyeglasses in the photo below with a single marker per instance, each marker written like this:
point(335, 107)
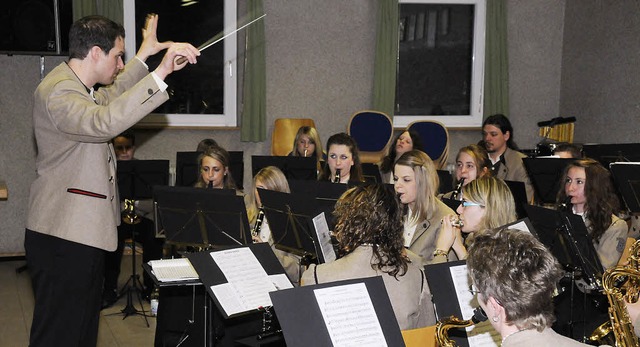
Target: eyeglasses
point(473, 290)
point(466, 203)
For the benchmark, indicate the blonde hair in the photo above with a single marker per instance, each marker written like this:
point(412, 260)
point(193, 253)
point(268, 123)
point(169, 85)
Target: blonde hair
point(496, 198)
point(272, 179)
point(315, 139)
point(220, 154)
point(427, 183)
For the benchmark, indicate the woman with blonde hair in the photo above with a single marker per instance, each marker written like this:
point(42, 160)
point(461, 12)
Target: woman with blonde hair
point(307, 144)
point(214, 169)
point(416, 184)
point(471, 162)
point(487, 204)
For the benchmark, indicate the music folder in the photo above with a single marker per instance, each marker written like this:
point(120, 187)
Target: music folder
point(449, 284)
point(234, 277)
point(136, 178)
point(354, 312)
point(546, 176)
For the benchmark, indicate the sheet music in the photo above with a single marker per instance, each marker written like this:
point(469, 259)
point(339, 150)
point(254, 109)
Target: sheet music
point(349, 316)
point(481, 334)
point(172, 270)
point(248, 285)
point(520, 225)
point(324, 236)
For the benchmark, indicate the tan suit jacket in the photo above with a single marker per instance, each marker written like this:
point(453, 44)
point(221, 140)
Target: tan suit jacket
point(514, 170)
point(74, 196)
point(424, 239)
point(409, 294)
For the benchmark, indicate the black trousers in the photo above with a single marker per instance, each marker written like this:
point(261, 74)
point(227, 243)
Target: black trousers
point(67, 284)
point(144, 232)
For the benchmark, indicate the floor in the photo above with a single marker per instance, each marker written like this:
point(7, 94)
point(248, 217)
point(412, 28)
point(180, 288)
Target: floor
point(16, 312)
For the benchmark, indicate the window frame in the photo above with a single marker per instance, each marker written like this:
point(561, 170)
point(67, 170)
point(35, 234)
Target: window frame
point(230, 117)
point(477, 75)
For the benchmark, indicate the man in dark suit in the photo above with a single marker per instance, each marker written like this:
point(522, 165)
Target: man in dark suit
point(74, 207)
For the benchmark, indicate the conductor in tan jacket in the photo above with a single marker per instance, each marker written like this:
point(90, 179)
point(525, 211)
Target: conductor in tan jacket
point(73, 205)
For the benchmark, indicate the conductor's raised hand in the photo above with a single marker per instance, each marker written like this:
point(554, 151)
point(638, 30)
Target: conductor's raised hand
point(178, 56)
point(150, 45)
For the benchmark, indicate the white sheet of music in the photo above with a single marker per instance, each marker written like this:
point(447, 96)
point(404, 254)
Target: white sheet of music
point(481, 334)
point(324, 236)
point(349, 316)
point(248, 285)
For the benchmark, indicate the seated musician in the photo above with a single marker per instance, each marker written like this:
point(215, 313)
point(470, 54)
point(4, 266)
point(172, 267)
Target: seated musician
point(589, 190)
point(567, 151)
point(514, 276)
point(369, 233)
point(471, 162)
point(343, 160)
point(487, 203)
point(214, 169)
point(407, 141)
point(416, 184)
point(125, 147)
point(270, 178)
point(307, 144)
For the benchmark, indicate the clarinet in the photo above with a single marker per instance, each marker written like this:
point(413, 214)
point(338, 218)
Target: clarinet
point(210, 185)
point(456, 191)
point(256, 227)
point(336, 177)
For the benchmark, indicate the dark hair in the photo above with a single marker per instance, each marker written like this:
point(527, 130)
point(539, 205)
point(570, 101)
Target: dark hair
point(371, 214)
point(501, 122)
point(519, 272)
point(601, 197)
point(387, 162)
point(355, 174)
point(575, 150)
point(127, 134)
point(92, 31)
point(206, 144)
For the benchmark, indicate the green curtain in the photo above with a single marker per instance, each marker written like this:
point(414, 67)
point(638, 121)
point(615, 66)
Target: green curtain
point(384, 75)
point(254, 114)
point(496, 74)
point(111, 9)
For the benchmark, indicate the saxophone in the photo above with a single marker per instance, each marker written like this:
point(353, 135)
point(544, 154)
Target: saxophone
point(444, 324)
point(620, 323)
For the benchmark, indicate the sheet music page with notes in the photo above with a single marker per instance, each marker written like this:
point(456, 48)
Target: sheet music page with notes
point(171, 270)
point(248, 284)
point(324, 236)
point(481, 334)
point(349, 316)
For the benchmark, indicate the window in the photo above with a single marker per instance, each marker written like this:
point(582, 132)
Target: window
point(203, 94)
point(440, 62)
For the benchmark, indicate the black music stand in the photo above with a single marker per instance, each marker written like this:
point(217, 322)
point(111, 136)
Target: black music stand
point(325, 193)
point(371, 173)
point(519, 196)
point(294, 168)
point(302, 321)
point(187, 169)
point(135, 181)
point(546, 176)
point(290, 219)
point(626, 177)
point(202, 217)
point(446, 181)
point(611, 153)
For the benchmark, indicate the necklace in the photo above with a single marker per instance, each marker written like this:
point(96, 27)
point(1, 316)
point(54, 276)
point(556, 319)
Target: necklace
point(513, 333)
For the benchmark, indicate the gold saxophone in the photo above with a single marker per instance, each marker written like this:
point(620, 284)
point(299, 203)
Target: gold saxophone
point(619, 321)
point(444, 324)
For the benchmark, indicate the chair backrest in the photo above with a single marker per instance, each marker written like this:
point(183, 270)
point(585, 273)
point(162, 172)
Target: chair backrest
point(372, 131)
point(284, 132)
point(421, 337)
point(435, 140)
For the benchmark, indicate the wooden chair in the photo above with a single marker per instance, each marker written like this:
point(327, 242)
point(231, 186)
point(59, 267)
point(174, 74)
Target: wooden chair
point(284, 133)
point(372, 131)
point(421, 337)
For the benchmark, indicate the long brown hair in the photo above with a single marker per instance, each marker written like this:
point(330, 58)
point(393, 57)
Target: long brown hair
point(370, 214)
point(601, 198)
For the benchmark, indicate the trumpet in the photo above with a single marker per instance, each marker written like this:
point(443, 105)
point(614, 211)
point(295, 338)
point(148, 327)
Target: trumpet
point(336, 177)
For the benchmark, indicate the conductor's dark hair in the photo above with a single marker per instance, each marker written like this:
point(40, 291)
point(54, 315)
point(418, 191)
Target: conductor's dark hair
point(92, 31)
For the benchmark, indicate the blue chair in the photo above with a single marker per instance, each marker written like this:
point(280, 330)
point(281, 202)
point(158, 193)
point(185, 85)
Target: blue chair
point(372, 131)
point(435, 140)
